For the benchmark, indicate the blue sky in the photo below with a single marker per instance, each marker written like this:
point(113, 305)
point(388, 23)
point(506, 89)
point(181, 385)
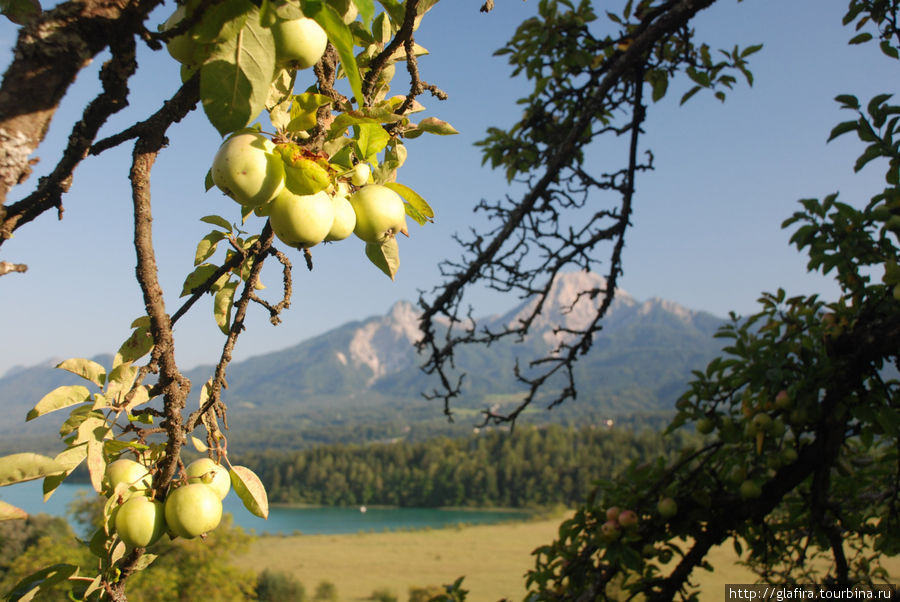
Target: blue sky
point(706, 226)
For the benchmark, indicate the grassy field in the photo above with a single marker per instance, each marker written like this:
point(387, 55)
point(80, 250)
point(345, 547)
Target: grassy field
point(493, 559)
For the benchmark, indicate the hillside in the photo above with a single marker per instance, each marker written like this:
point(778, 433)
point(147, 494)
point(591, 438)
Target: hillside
point(361, 380)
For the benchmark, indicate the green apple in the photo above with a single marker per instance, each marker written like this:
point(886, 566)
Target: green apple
point(127, 471)
point(783, 400)
point(612, 513)
point(667, 507)
point(301, 220)
point(705, 425)
point(247, 169)
point(344, 218)
point(750, 489)
point(140, 521)
point(182, 48)
point(359, 175)
point(208, 472)
point(299, 42)
point(193, 510)
point(380, 213)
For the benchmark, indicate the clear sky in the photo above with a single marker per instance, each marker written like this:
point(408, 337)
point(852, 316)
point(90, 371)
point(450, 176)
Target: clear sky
point(706, 226)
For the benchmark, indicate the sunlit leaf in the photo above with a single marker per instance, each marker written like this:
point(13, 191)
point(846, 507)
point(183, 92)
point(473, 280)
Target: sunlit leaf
point(385, 256)
point(251, 491)
point(28, 588)
point(61, 397)
point(207, 246)
point(26, 466)
point(416, 207)
point(341, 38)
point(10, 512)
point(86, 369)
point(433, 125)
point(223, 304)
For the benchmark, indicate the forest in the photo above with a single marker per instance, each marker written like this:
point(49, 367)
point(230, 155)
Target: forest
point(495, 468)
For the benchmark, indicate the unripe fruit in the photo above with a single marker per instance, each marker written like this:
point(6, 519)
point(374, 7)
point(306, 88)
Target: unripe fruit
point(140, 521)
point(628, 519)
point(344, 219)
point(750, 489)
point(301, 220)
point(705, 425)
point(299, 42)
point(612, 513)
point(211, 474)
point(360, 174)
point(761, 423)
point(246, 169)
point(193, 510)
point(380, 213)
point(667, 507)
point(127, 471)
point(610, 531)
point(783, 400)
point(181, 47)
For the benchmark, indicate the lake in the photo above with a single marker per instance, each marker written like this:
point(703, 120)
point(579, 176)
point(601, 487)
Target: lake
point(285, 520)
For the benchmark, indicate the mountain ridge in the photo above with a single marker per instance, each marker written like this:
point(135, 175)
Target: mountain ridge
point(368, 369)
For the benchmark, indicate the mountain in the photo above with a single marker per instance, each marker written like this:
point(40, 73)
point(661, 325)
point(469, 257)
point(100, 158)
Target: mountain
point(364, 375)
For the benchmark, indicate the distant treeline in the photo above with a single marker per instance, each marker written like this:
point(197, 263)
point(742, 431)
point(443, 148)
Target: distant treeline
point(528, 467)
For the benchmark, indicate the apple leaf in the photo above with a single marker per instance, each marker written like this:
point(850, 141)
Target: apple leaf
point(250, 489)
point(223, 304)
point(199, 445)
point(136, 346)
point(200, 275)
point(217, 220)
point(385, 256)
point(10, 512)
point(207, 246)
point(120, 380)
point(95, 462)
point(433, 125)
point(68, 460)
point(416, 207)
point(341, 38)
point(303, 111)
point(26, 589)
point(380, 114)
point(371, 139)
point(61, 397)
point(26, 466)
point(235, 79)
point(86, 369)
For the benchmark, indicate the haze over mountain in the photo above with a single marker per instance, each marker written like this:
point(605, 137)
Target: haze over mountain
point(365, 374)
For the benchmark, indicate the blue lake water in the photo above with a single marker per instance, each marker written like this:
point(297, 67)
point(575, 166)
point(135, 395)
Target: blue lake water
point(285, 520)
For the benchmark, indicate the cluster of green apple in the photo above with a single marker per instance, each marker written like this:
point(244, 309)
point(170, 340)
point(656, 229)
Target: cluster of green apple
point(189, 510)
point(617, 521)
point(305, 201)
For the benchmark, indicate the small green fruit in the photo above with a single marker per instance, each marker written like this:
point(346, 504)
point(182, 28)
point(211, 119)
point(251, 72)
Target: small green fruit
point(610, 531)
point(193, 510)
point(359, 176)
point(208, 472)
point(612, 513)
point(750, 489)
point(127, 471)
point(299, 42)
point(301, 220)
point(783, 400)
point(667, 507)
point(181, 48)
point(628, 519)
point(705, 425)
point(140, 521)
point(344, 219)
point(380, 213)
point(246, 169)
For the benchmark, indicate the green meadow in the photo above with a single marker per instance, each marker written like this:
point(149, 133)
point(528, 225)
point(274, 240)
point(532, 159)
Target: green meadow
point(493, 559)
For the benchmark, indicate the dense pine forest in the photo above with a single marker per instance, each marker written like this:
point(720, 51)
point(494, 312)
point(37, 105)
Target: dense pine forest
point(526, 468)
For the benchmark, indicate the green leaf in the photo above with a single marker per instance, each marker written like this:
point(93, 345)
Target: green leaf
point(58, 398)
point(199, 445)
point(200, 275)
point(385, 256)
point(377, 114)
point(751, 50)
point(20, 12)
point(842, 128)
point(86, 369)
point(687, 95)
point(303, 111)
point(216, 220)
point(30, 586)
point(10, 512)
point(26, 466)
point(207, 246)
point(416, 207)
point(860, 39)
point(848, 100)
point(251, 491)
point(136, 346)
point(433, 125)
point(341, 38)
point(371, 139)
point(235, 79)
point(223, 305)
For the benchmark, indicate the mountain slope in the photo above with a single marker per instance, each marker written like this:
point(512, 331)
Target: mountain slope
point(367, 371)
